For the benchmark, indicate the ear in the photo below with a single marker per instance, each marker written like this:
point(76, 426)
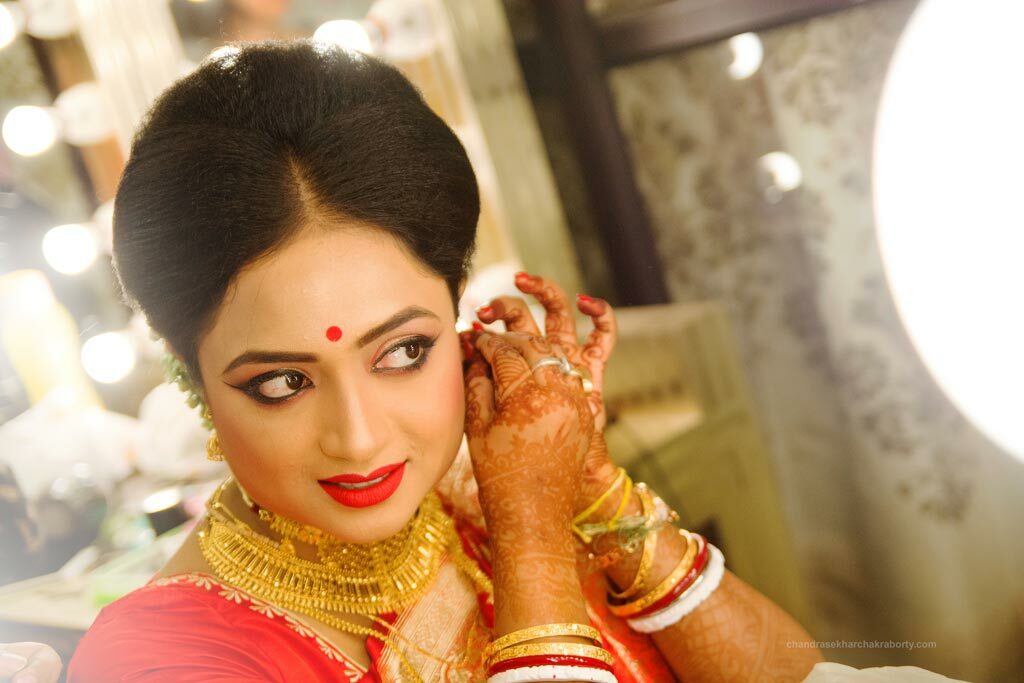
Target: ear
point(462, 285)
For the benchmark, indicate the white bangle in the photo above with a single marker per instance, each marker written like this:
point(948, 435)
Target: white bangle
point(704, 586)
point(550, 672)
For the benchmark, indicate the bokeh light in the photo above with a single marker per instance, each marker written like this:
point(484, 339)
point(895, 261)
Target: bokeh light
point(108, 357)
point(69, 249)
point(948, 149)
point(29, 130)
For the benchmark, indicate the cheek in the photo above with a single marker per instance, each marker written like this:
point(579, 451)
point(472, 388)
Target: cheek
point(261, 446)
point(452, 390)
point(446, 405)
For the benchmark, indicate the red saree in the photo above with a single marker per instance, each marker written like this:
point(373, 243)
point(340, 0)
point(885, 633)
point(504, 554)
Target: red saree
point(190, 627)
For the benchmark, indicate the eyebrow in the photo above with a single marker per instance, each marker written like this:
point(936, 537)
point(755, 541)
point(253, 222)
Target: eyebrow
point(397, 320)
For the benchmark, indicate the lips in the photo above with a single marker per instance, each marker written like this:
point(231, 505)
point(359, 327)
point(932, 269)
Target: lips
point(356, 491)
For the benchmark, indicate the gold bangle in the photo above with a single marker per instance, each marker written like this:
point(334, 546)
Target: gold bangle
point(627, 489)
point(593, 507)
point(662, 589)
point(650, 546)
point(543, 631)
point(531, 649)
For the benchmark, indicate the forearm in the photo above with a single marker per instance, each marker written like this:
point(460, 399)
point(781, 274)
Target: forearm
point(737, 634)
point(535, 579)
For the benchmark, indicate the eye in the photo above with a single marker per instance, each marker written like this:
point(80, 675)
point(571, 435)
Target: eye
point(281, 385)
point(408, 355)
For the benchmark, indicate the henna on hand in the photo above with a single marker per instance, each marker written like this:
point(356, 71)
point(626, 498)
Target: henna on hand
point(528, 433)
point(593, 354)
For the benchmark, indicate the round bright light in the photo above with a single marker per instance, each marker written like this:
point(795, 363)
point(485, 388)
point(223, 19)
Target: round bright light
point(948, 149)
point(345, 33)
point(83, 114)
point(29, 130)
point(747, 55)
point(779, 173)
point(50, 18)
point(108, 357)
point(12, 20)
point(69, 249)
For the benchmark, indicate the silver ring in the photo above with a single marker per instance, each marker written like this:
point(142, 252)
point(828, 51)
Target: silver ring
point(588, 384)
point(561, 361)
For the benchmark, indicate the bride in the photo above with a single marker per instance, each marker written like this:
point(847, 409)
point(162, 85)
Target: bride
point(297, 225)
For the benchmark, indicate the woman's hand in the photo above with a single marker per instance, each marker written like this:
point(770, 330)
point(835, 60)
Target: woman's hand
point(528, 432)
point(592, 354)
point(29, 662)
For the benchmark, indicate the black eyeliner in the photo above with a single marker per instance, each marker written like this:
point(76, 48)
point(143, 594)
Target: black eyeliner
point(426, 342)
point(251, 387)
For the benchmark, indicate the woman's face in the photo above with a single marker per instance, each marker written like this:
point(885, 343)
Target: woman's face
point(335, 356)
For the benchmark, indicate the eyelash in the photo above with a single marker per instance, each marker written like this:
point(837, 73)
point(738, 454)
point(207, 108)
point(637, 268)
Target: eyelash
point(252, 386)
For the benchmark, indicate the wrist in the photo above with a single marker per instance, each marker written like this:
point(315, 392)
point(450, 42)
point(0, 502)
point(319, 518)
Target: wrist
point(595, 480)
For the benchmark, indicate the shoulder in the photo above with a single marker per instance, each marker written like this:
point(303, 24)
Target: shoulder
point(190, 627)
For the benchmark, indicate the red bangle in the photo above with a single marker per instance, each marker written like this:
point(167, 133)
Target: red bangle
point(698, 566)
point(544, 660)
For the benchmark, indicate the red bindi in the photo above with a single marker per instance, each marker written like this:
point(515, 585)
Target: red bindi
point(334, 333)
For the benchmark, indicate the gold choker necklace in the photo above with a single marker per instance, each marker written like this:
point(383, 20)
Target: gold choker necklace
point(350, 578)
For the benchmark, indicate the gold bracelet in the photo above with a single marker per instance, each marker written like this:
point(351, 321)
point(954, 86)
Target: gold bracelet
point(531, 649)
point(627, 489)
point(650, 545)
point(543, 631)
point(593, 507)
point(663, 588)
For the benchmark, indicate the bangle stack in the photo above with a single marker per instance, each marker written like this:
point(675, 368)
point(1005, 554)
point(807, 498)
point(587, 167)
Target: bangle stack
point(511, 659)
point(694, 578)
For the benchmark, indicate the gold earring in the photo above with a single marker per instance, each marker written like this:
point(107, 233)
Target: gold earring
point(213, 451)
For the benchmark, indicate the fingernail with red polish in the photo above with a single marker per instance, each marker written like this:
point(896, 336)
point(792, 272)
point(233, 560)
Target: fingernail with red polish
point(477, 326)
point(584, 298)
point(523, 276)
point(485, 310)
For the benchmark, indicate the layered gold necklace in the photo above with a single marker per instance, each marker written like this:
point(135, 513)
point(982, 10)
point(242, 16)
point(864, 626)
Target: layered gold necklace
point(348, 578)
point(369, 579)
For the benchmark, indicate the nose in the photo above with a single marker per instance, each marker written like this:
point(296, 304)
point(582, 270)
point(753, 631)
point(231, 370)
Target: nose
point(354, 428)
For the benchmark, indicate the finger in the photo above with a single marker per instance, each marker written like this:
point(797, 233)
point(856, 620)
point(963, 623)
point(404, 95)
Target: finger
point(597, 348)
point(468, 341)
point(536, 349)
point(559, 324)
point(508, 367)
point(513, 311)
point(479, 395)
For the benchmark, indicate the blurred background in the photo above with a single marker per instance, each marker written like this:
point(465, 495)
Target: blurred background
point(807, 213)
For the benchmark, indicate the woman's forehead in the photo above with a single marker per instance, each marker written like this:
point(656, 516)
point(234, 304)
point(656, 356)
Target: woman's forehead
point(342, 278)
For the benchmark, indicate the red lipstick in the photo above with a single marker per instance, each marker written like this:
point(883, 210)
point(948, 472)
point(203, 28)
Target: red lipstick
point(364, 496)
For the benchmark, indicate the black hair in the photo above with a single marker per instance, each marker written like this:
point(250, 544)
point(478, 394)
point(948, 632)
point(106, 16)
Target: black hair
point(237, 156)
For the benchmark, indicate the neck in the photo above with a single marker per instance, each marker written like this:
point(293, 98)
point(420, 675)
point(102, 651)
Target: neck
point(235, 500)
point(241, 504)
